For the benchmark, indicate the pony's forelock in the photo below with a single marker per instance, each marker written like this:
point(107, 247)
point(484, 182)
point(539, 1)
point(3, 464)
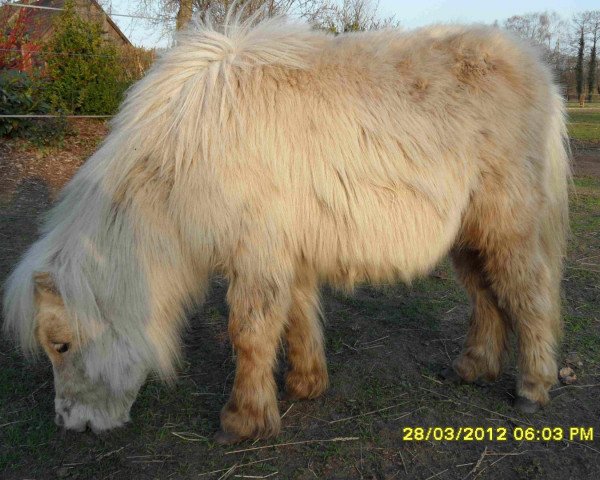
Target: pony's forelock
point(19, 306)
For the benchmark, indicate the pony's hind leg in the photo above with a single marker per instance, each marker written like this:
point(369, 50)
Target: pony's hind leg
point(526, 290)
point(486, 343)
point(258, 309)
point(518, 227)
point(307, 376)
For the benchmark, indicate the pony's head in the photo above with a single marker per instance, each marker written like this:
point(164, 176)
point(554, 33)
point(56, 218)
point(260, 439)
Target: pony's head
point(97, 372)
point(97, 375)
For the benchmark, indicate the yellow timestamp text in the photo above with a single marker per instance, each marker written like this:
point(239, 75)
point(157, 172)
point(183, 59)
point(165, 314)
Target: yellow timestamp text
point(497, 434)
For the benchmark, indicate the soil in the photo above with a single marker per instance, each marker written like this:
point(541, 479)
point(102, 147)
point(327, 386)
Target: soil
point(586, 158)
point(385, 345)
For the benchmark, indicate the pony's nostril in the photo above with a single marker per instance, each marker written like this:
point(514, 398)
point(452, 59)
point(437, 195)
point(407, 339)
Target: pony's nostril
point(59, 420)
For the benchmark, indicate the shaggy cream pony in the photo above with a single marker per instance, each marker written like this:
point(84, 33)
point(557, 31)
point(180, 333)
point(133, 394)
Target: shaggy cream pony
point(284, 158)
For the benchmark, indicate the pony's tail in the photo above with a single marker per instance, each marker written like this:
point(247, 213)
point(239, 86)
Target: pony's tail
point(555, 225)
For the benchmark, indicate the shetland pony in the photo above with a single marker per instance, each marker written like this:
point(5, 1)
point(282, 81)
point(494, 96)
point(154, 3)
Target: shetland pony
point(284, 158)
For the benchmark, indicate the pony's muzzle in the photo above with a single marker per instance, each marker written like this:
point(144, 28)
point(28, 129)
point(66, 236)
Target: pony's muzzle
point(59, 419)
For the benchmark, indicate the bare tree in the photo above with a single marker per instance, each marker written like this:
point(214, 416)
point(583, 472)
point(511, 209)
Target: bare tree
point(337, 16)
point(348, 16)
point(533, 26)
point(167, 11)
point(581, 22)
point(594, 30)
point(546, 29)
point(184, 13)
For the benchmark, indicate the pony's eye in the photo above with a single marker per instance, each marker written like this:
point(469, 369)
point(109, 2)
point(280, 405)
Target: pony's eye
point(61, 347)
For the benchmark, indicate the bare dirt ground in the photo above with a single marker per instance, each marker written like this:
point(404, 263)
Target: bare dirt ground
point(586, 158)
point(385, 348)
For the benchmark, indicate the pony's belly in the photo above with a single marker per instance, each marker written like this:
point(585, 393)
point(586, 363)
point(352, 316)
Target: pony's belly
point(387, 248)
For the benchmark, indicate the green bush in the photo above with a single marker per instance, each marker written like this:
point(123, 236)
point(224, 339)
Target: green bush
point(85, 70)
point(19, 95)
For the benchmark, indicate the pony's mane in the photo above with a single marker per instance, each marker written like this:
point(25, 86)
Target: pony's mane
point(166, 115)
point(193, 86)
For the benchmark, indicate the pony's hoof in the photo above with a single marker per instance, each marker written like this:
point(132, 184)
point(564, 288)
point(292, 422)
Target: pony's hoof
point(227, 438)
point(449, 375)
point(524, 405)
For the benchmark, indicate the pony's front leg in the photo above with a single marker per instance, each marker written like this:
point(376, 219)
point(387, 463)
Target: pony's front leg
point(307, 374)
point(258, 309)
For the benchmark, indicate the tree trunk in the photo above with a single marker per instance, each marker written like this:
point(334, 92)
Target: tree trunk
point(579, 68)
point(184, 14)
point(592, 71)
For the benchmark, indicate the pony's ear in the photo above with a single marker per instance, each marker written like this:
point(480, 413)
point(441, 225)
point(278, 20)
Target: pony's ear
point(44, 283)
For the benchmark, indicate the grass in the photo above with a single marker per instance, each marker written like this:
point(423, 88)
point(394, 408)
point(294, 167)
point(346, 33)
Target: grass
point(583, 270)
point(584, 123)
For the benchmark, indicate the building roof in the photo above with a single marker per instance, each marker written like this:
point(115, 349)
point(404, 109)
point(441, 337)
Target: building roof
point(42, 19)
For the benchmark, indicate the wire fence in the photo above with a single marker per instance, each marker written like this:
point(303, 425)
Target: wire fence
point(56, 116)
point(23, 51)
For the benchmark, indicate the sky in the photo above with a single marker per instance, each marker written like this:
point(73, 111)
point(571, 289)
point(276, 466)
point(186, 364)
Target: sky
point(423, 12)
point(411, 14)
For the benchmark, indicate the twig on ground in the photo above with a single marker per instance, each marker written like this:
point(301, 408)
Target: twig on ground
point(432, 379)
point(286, 412)
point(238, 466)
point(277, 445)
point(147, 456)
point(12, 423)
point(189, 436)
point(257, 476)
point(502, 457)
point(228, 473)
point(370, 342)
point(474, 469)
point(403, 462)
point(478, 406)
point(406, 414)
point(108, 454)
point(370, 346)
point(583, 445)
point(593, 385)
point(437, 474)
point(367, 413)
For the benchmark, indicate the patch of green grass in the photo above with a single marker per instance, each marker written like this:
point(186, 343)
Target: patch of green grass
point(584, 125)
point(585, 207)
point(581, 336)
point(587, 105)
point(27, 438)
point(583, 271)
point(587, 182)
point(583, 116)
